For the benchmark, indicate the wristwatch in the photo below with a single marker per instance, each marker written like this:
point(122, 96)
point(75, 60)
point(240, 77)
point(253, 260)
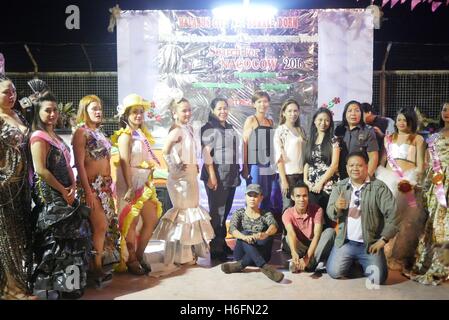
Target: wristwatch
point(384, 239)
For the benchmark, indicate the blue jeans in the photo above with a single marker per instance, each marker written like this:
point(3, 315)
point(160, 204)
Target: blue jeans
point(341, 259)
point(256, 254)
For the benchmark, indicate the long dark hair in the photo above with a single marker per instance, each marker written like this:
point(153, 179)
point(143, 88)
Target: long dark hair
point(412, 121)
point(326, 145)
point(341, 128)
point(213, 104)
point(345, 121)
point(37, 122)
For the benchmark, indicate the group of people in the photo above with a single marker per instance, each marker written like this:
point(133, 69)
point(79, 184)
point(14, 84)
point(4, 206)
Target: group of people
point(339, 204)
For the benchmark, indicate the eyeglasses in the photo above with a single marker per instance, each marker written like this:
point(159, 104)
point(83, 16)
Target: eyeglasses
point(357, 198)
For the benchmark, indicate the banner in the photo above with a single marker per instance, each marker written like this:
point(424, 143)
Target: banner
point(314, 56)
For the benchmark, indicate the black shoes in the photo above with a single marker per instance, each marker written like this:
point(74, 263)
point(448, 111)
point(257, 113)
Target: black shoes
point(272, 273)
point(232, 267)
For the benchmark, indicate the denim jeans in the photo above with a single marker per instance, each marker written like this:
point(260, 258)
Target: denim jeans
point(341, 259)
point(255, 254)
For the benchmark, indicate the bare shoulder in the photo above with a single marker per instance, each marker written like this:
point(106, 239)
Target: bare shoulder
point(124, 138)
point(250, 123)
point(419, 139)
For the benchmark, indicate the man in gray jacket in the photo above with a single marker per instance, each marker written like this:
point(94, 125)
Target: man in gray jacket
point(365, 210)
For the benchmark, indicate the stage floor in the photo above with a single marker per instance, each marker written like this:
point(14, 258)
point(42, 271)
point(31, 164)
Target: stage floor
point(206, 281)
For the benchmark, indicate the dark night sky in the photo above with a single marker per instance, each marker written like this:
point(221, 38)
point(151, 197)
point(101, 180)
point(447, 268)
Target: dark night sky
point(44, 22)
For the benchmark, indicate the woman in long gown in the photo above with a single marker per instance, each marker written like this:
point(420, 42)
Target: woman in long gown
point(138, 205)
point(62, 242)
point(429, 268)
point(186, 227)
point(15, 200)
point(404, 158)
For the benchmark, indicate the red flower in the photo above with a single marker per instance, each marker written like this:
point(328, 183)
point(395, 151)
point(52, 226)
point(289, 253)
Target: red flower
point(404, 186)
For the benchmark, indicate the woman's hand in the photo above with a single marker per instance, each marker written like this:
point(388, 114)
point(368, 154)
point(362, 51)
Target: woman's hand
point(317, 187)
point(212, 183)
point(69, 195)
point(129, 195)
point(181, 166)
point(284, 187)
point(90, 199)
point(245, 172)
point(309, 184)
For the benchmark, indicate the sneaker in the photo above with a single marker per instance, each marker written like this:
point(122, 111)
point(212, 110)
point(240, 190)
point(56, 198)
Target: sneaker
point(321, 267)
point(272, 273)
point(232, 267)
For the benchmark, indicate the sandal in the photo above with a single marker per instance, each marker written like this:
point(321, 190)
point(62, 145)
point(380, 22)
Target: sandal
point(135, 268)
point(145, 266)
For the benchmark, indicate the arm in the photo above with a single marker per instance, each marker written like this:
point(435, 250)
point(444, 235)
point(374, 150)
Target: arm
point(373, 152)
point(79, 150)
point(292, 242)
point(207, 139)
point(124, 148)
point(420, 155)
point(39, 151)
point(387, 205)
point(306, 176)
point(278, 151)
point(383, 158)
point(272, 227)
point(247, 129)
point(333, 168)
point(317, 229)
point(332, 212)
point(373, 162)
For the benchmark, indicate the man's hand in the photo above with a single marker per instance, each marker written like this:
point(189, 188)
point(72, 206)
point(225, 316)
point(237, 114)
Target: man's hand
point(341, 203)
point(250, 239)
point(375, 248)
point(262, 236)
point(378, 132)
point(302, 264)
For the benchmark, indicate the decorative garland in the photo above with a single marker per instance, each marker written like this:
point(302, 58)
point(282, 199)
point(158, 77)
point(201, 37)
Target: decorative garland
point(435, 4)
point(132, 211)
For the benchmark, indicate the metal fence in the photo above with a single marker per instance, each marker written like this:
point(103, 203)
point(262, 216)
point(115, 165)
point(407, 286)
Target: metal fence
point(427, 90)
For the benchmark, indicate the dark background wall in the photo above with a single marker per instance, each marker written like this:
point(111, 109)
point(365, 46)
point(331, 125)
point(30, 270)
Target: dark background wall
point(420, 38)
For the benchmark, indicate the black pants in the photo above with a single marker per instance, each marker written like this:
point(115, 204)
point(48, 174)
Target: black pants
point(220, 204)
point(322, 199)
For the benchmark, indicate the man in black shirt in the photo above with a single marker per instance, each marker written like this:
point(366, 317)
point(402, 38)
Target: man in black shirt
point(379, 124)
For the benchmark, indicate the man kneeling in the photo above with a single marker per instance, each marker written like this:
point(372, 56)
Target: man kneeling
point(366, 213)
point(305, 240)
